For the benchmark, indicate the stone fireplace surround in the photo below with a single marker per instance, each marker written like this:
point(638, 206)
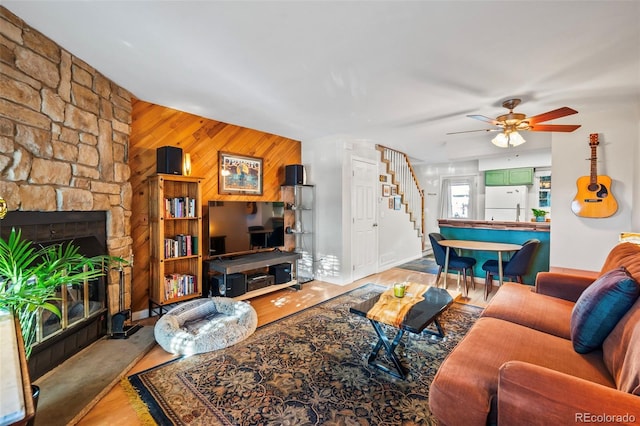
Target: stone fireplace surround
point(64, 138)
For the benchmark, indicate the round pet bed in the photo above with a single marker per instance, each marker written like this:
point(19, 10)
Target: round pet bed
point(204, 325)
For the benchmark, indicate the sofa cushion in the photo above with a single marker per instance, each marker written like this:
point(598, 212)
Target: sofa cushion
point(533, 395)
point(563, 286)
point(621, 351)
point(519, 303)
point(465, 388)
point(600, 307)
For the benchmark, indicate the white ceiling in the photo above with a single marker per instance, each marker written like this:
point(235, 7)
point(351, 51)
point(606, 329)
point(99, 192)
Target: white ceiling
point(398, 73)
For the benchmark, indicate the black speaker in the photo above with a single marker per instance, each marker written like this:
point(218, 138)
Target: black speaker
point(236, 285)
point(294, 174)
point(281, 272)
point(169, 160)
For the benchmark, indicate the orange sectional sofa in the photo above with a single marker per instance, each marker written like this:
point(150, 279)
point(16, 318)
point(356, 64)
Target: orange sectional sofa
point(517, 365)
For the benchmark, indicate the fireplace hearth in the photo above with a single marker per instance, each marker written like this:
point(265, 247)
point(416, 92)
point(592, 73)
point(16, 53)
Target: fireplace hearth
point(83, 307)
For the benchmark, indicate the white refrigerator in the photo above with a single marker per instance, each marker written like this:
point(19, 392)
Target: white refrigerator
point(506, 203)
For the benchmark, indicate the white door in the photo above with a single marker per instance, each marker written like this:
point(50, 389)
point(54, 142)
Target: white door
point(364, 234)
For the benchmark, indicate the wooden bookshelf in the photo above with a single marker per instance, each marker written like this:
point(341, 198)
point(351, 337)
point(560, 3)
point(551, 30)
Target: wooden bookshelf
point(175, 218)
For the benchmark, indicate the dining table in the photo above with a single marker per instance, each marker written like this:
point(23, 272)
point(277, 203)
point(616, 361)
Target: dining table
point(497, 247)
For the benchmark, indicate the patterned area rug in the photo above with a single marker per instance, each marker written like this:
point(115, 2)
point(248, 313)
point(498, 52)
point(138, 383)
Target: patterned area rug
point(423, 264)
point(306, 369)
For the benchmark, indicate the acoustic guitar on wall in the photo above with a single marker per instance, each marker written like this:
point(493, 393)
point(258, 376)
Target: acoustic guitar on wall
point(594, 197)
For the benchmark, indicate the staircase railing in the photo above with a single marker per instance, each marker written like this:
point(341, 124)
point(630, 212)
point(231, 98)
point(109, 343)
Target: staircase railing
point(406, 181)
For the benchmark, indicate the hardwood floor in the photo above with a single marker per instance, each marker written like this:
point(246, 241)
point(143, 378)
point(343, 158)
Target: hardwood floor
point(115, 408)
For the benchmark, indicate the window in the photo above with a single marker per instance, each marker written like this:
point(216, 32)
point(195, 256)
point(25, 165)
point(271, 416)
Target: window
point(460, 200)
point(544, 193)
point(457, 199)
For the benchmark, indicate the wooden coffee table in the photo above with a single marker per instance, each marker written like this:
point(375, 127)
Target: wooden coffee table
point(421, 307)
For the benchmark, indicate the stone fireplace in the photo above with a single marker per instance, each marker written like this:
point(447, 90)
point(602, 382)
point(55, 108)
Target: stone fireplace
point(64, 141)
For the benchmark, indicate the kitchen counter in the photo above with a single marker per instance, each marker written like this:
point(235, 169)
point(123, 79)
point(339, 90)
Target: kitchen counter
point(495, 224)
point(500, 232)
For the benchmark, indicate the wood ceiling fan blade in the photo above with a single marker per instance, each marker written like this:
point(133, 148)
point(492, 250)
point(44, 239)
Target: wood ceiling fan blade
point(472, 131)
point(485, 119)
point(551, 115)
point(554, 127)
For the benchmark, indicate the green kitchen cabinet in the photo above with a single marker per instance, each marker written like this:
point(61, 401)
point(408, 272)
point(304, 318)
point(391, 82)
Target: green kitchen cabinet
point(521, 176)
point(502, 177)
point(496, 178)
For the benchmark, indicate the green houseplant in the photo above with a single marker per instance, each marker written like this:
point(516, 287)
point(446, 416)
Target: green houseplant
point(30, 276)
point(539, 214)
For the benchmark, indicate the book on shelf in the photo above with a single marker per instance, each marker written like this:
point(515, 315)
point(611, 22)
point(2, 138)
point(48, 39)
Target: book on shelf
point(178, 285)
point(180, 245)
point(179, 207)
point(194, 244)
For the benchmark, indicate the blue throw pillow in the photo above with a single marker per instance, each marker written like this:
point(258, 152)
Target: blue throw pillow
point(600, 307)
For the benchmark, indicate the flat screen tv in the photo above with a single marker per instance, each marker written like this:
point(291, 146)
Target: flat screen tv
point(241, 226)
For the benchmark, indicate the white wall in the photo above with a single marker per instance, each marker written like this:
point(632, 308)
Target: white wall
point(510, 160)
point(327, 162)
point(398, 239)
point(583, 243)
point(323, 165)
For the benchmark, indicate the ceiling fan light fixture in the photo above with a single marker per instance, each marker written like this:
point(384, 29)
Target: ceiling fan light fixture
point(501, 140)
point(505, 140)
point(516, 139)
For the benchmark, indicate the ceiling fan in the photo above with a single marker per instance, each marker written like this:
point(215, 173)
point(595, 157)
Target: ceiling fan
point(511, 123)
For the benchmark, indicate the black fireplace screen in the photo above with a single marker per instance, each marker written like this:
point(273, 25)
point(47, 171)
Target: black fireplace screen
point(82, 306)
point(76, 302)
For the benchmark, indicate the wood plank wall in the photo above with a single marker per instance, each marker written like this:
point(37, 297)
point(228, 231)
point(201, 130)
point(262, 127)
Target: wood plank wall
point(154, 126)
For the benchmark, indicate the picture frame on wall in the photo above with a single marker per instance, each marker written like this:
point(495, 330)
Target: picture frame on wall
point(394, 190)
point(396, 203)
point(239, 174)
point(386, 190)
point(391, 203)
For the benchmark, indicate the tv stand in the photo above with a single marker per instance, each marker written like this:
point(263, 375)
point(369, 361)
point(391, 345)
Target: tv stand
point(262, 259)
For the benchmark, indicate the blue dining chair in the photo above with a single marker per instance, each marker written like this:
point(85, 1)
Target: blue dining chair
point(456, 262)
point(516, 267)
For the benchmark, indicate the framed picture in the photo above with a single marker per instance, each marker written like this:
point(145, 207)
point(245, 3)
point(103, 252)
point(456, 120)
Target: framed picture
point(386, 190)
point(383, 178)
point(391, 203)
point(396, 203)
point(239, 174)
point(394, 190)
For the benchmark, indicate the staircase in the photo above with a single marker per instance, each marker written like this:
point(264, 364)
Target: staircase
point(403, 176)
